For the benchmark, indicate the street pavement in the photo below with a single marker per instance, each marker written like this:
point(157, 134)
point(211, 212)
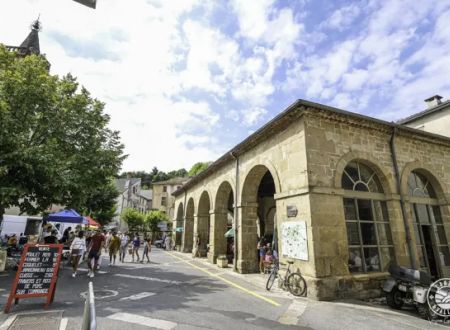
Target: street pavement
point(175, 291)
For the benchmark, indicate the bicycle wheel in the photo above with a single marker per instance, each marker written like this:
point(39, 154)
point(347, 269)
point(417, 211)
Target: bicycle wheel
point(296, 284)
point(271, 279)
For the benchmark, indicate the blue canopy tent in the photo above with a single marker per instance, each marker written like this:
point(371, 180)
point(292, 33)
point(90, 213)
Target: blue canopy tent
point(68, 216)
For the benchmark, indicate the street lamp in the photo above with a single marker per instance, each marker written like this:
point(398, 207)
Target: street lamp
point(88, 3)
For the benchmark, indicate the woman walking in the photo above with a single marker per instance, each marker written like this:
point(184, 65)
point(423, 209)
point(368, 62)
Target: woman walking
point(136, 245)
point(77, 249)
point(147, 249)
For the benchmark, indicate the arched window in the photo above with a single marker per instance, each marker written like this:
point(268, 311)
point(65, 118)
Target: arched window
point(368, 230)
point(431, 240)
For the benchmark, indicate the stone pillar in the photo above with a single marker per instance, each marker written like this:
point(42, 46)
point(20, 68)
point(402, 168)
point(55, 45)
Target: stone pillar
point(217, 240)
point(187, 237)
point(201, 222)
point(247, 239)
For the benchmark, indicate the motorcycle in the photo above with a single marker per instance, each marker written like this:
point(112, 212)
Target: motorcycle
point(409, 286)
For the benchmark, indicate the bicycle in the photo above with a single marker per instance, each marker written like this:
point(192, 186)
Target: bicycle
point(293, 281)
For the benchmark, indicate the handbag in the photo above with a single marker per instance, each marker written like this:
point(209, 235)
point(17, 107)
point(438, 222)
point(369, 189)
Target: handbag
point(130, 251)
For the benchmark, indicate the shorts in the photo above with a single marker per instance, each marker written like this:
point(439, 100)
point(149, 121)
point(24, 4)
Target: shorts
point(113, 251)
point(76, 252)
point(94, 254)
point(262, 254)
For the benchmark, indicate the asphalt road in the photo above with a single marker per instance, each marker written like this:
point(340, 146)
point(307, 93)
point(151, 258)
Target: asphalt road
point(175, 292)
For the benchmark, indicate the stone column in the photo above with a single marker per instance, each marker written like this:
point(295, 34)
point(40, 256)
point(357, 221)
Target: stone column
point(217, 240)
point(247, 238)
point(187, 237)
point(201, 229)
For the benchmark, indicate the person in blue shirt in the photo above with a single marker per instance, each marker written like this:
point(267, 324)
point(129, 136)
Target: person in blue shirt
point(136, 245)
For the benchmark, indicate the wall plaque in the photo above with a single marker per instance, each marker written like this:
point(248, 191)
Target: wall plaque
point(291, 211)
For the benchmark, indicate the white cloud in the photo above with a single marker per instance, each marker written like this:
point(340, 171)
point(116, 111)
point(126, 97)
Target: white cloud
point(343, 17)
point(253, 115)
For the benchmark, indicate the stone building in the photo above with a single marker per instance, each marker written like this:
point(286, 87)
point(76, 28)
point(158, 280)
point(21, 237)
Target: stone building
point(129, 197)
point(162, 194)
point(341, 194)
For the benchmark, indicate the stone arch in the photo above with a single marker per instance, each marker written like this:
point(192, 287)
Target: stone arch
point(387, 180)
point(179, 223)
point(254, 170)
point(220, 224)
point(428, 173)
point(431, 247)
point(259, 186)
point(188, 230)
point(202, 224)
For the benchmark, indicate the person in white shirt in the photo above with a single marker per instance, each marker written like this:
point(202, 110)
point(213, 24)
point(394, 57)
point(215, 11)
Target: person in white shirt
point(124, 240)
point(77, 249)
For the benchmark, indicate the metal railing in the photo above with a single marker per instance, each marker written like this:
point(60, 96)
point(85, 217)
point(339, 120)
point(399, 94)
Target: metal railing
point(89, 320)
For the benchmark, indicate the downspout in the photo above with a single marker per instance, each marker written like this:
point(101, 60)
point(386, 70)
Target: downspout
point(184, 221)
point(235, 213)
point(411, 252)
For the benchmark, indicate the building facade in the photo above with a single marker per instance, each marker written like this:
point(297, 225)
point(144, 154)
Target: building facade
point(435, 119)
point(162, 194)
point(340, 194)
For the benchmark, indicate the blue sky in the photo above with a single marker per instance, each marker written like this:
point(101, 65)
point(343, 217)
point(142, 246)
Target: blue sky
point(186, 80)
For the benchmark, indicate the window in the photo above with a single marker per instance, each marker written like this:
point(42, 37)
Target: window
point(431, 239)
point(164, 188)
point(368, 230)
point(163, 201)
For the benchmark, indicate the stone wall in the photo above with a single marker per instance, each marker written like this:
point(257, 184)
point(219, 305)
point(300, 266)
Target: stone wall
point(306, 160)
point(334, 140)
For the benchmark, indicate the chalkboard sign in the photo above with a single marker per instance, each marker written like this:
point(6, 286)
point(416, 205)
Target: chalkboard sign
point(37, 273)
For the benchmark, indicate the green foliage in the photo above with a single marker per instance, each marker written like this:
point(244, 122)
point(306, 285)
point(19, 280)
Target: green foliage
point(197, 168)
point(133, 218)
point(101, 203)
point(154, 176)
point(56, 147)
point(154, 217)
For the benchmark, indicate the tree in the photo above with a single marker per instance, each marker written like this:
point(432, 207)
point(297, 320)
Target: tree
point(55, 144)
point(197, 168)
point(153, 218)
point(133, 218)
point(101, 203)
point(154, 176)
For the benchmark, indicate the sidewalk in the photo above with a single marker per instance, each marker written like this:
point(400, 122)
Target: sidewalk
point(339, 314)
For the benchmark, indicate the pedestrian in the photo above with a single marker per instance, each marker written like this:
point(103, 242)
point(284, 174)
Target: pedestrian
point(12, 241)
point(107, 235)
point(114, 245)
point(147, 249)
point(95, 250)
point(77, 249)
point(197, 246)
point(65, 236)
point(168, 243)
point(124, 240)
point(136, 245)
point(262, 254)
point(52, 239)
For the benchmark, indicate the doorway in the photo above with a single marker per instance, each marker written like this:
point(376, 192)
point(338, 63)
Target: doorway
point(430, 251)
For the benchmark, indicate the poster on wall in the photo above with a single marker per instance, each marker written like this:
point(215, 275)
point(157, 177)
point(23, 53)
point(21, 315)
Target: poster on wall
point(294, 240)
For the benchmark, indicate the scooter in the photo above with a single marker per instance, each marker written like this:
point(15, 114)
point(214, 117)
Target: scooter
point(409, 286)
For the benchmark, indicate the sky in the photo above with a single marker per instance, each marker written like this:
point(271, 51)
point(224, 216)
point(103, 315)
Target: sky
point(186, 80)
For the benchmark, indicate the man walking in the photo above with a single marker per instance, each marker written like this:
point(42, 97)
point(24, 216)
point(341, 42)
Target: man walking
point(95, 249)
point(114, 245)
